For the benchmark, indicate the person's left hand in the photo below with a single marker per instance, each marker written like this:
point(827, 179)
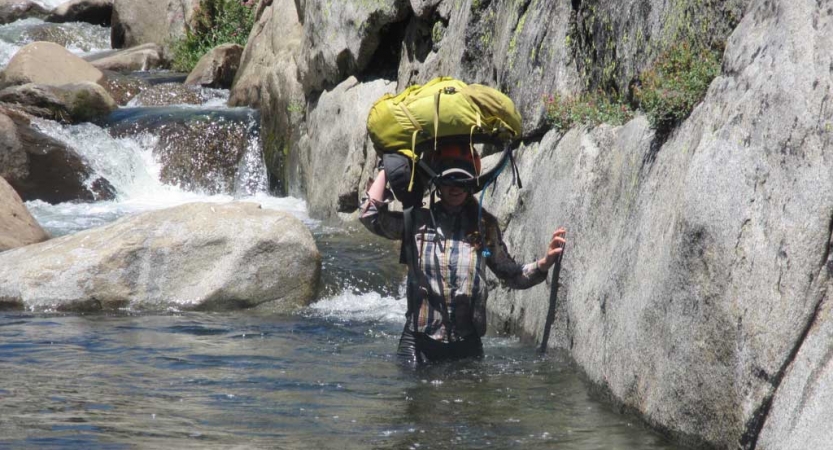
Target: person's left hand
point(554, 249)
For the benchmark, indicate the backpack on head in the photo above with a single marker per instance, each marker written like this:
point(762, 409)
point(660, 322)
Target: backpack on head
point(416, 121)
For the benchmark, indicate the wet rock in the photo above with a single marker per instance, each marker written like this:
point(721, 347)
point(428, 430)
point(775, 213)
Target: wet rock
point(68, 35)
point(96, 12)
point(42, 168)
point(168, 94)
point(194, 257)
point(17, 226)
point(267, 79)
point(47, 63)
point(139, 58)
point(70, 103)
point(14, 10)
point(340, 38)
point(217, 68)
point(151, 21)
point(121, 87)
point(337, 132)
point(202, 155)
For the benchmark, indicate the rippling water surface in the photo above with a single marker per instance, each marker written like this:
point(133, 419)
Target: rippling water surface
point(326, 378)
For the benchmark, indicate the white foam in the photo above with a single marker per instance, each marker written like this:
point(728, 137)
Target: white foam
point(368, 307)
point(129, 165)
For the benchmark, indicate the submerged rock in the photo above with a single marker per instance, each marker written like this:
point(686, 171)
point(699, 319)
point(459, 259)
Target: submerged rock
point(17, 226)
point(42, 168)
point(167, 94)
point(202, 155)
point(123, 88)
point(198, 256)
point(85, 38)
point(217, 68)
point(96, 12)
point(69, 103)
point(139, 58)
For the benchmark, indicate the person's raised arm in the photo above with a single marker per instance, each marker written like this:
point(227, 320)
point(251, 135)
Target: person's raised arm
point(374, 211)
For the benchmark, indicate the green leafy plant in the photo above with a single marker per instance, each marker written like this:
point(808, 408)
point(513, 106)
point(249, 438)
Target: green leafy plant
point(217, 22)
point(587, 109)
point(676, 82)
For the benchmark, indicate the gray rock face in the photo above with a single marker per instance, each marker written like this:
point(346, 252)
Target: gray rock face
point(138, 58)
point(217, 68)
point(41, 168)
point(47, 63)
point(196, 256)
point(424, 8)
point(96, 12)
point(13, 10)
point(17, 226)
point(340, 38)
point(151, 21)
point(70, 103)
point(337, 146)
point(267, 79)
point(693, 273)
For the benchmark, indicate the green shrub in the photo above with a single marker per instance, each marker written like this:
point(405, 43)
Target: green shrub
point(586, 109)
point(217, 22)
point(676, 82)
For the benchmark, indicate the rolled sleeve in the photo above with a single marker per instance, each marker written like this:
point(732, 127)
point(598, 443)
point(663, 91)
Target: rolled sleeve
point(380, 221)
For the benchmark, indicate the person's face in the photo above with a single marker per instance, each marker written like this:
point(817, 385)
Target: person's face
point(453, 196)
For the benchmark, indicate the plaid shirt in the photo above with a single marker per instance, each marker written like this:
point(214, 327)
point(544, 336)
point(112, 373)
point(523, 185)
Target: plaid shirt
point(450, 255)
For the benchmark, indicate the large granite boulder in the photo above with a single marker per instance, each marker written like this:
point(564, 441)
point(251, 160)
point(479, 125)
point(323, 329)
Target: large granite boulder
point(70, 103)
point(217, 68)
point(96, 12)
point(17, 226)
point(267, 79)
point(696, 284)
point(139, 58)
point(42, 168)
point(197, 256)
point(341, 38)
point(47, 63)
point(14, 10)
point(335, 148)
point(151, 21)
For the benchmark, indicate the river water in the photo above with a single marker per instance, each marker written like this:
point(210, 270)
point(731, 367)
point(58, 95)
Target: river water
point(323, 378)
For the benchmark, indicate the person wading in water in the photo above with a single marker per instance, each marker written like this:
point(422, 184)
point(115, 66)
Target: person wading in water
point(447, 304)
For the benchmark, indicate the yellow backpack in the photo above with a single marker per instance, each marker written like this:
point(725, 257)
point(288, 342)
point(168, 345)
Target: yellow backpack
point(442, 108)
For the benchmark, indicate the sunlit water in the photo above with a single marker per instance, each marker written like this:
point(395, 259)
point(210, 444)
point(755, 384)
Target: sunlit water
point(323, 378)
